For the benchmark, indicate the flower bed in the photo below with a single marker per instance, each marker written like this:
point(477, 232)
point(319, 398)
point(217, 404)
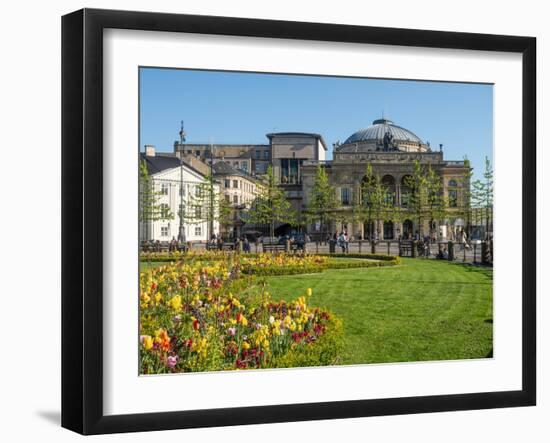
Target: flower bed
point(269, 264)
point(192, 320)
point(195, 254)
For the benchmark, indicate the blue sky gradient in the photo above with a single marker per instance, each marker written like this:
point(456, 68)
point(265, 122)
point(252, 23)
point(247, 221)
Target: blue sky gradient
point(233, 107)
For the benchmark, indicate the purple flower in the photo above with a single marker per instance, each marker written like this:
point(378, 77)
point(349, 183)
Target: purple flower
point(171, 361)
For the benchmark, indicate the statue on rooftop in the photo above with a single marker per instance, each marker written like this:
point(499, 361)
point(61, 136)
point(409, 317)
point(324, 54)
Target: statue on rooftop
point(389, 145)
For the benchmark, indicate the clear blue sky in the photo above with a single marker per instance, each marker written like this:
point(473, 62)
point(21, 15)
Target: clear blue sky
point(228, 107)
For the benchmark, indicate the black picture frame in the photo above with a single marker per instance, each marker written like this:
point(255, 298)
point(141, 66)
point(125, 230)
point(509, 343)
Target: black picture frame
point(82, 230)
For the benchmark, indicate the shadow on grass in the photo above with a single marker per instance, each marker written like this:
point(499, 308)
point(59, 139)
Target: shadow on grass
point(377, 280)
point(478, 269)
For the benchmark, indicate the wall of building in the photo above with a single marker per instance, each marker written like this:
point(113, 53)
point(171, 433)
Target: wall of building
point(347, 172)
point(168, 183)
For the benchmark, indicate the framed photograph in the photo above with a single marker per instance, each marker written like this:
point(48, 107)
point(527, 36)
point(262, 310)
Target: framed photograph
point(268, 221)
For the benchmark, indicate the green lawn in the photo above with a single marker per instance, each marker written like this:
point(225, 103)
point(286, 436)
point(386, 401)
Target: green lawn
point(421, 310)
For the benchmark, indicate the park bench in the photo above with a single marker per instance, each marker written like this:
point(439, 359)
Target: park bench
point(273, 247)
point(277, 247)
point(226, 246)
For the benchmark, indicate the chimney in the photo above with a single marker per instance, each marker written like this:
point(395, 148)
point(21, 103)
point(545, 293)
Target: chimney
point(150, 150)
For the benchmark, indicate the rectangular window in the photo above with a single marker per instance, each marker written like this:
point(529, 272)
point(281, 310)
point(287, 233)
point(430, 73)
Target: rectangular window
point(198, 153)
point(198, 191)
point(227, 198)
point(227, 183)
point(198, 212)
point(260, 168)
point(164, 188)
point(236, 199)
point(182, 190)
point(291, 171)
point(258, 153)
point(266, 155)
point(164, 231)
point(198, 230)
point(244, 166)
point(453, 198)
point(345, 196)
point(164, 211)
point(235, 184)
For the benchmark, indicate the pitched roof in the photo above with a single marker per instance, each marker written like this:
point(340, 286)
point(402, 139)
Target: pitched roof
point(162, 162)
point(159, 163)
point(224, 168)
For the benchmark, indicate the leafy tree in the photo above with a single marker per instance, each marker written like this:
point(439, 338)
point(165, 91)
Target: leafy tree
point(322, 204)
point(150, 207)
point(375, 203)
point(417, 198)
point(227, 214)
point(466, 196)
point(207, 205)
point(482, 195)
point(271, 205)
point(435, 201)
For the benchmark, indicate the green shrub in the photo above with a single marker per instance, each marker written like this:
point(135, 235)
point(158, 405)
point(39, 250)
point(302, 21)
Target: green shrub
point(365, 256)
point(341, 264)
point(283, 270)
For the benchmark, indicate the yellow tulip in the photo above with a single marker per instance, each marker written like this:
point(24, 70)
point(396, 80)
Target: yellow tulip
point(147, 342)
point(175, 303)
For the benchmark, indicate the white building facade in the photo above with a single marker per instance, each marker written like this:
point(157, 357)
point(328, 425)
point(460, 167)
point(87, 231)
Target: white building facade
point(175, 182)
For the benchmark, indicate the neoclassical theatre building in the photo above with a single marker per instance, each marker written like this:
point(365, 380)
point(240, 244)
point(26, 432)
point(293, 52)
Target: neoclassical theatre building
point(392, 151)
point(389, 148)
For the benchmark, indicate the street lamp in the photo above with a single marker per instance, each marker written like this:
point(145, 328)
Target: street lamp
point(211, 215)
point(181, 230)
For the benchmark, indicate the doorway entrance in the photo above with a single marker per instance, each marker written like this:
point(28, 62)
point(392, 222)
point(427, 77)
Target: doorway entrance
point(407, 229)
point(388, 230)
